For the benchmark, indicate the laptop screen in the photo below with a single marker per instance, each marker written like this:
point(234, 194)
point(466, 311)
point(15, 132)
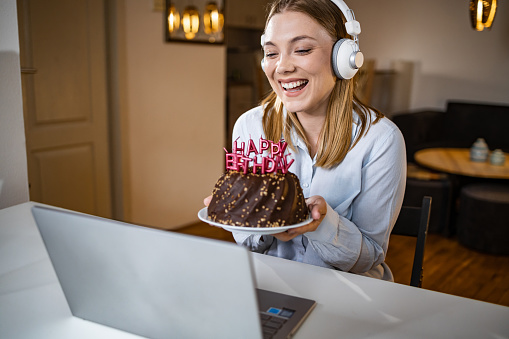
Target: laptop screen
point(149, 282)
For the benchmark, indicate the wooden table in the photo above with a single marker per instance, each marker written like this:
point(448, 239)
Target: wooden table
point(457, 161)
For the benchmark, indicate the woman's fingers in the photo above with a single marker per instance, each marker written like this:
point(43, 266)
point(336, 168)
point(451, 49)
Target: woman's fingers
point(207, 200)
point(317, 206)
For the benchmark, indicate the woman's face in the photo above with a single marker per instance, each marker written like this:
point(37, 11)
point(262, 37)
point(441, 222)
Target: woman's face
point(297, 62)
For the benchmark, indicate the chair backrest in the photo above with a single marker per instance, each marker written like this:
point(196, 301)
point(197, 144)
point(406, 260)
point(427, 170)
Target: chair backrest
point(414, 221)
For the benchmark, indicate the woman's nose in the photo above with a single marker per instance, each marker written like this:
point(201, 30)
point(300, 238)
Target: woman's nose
point(284, 65)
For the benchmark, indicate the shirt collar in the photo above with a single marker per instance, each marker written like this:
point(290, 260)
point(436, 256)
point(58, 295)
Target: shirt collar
point(355, 125)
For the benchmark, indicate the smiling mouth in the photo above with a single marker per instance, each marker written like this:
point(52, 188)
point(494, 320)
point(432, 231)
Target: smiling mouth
point(294, 86)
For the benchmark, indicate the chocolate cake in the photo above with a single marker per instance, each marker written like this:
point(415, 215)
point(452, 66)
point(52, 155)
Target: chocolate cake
point(258, 200)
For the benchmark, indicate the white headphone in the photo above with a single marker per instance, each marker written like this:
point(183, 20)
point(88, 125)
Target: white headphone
point(346, 56)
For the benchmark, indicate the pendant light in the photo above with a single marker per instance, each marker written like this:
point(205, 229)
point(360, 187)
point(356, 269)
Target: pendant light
point(173, 19)
point(482, 13)
point(213, 19)
point(190, 22)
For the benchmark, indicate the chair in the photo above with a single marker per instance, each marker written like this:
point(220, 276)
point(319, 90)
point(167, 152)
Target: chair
point(440, 187)
point(413, 222)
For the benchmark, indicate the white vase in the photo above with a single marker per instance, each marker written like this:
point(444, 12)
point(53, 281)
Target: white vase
point(479, 151)
point(497, 157)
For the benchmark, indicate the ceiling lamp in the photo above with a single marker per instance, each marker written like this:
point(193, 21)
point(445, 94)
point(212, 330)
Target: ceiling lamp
point(482, 13)
point(173, 19)
point(190, 22)
point(213, 19)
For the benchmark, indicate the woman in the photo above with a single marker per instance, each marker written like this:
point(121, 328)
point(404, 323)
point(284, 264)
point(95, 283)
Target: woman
point(350, 159)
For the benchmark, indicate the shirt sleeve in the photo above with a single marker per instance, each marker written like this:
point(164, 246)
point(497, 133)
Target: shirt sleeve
point(256, 243)
point(359, 243)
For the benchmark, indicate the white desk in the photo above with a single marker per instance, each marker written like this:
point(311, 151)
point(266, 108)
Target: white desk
point(32, 305)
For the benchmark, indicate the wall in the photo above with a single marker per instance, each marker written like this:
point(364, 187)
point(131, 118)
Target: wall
point(13, 167)
point(452, 60)
point(173, 107)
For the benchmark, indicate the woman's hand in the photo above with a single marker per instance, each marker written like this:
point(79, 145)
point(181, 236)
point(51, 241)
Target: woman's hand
point(318, 208)
point(207, 200)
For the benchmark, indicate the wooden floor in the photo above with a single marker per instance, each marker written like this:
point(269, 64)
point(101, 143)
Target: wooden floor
point(452, 268)
point(448, 266)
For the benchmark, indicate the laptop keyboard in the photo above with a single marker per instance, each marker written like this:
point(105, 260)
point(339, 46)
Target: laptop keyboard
point(271, 324)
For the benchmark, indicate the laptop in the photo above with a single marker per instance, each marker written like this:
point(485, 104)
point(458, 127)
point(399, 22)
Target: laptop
point(162, 284)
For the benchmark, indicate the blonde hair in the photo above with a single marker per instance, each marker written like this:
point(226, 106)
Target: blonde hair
point(335, 139)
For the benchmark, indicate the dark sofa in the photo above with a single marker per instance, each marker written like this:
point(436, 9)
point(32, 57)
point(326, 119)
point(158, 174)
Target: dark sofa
point(458, 126)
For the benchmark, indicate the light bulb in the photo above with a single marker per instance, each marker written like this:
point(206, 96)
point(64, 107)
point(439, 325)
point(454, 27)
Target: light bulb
point(173, 19)
point(190, 22)
point(213, 19)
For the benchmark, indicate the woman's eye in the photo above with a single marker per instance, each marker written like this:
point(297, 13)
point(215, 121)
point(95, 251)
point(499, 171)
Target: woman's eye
point(270, 55)
point(303, 51)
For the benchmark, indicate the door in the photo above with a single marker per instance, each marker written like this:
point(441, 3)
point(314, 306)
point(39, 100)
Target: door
point(63, 60)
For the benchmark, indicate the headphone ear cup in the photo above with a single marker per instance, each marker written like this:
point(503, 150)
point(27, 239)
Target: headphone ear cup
point(342, 53)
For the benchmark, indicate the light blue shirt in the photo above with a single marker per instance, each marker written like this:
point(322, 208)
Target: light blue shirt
point(364, 194)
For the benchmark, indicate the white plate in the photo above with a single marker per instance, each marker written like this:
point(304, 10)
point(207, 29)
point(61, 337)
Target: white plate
point(203, 215)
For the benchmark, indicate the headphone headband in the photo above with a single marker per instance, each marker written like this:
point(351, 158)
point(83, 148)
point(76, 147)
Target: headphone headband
point(353, 27)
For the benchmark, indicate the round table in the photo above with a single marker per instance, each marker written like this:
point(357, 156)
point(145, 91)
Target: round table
point(457, 161)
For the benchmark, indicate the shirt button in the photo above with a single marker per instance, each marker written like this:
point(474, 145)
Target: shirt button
point(305, 185)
